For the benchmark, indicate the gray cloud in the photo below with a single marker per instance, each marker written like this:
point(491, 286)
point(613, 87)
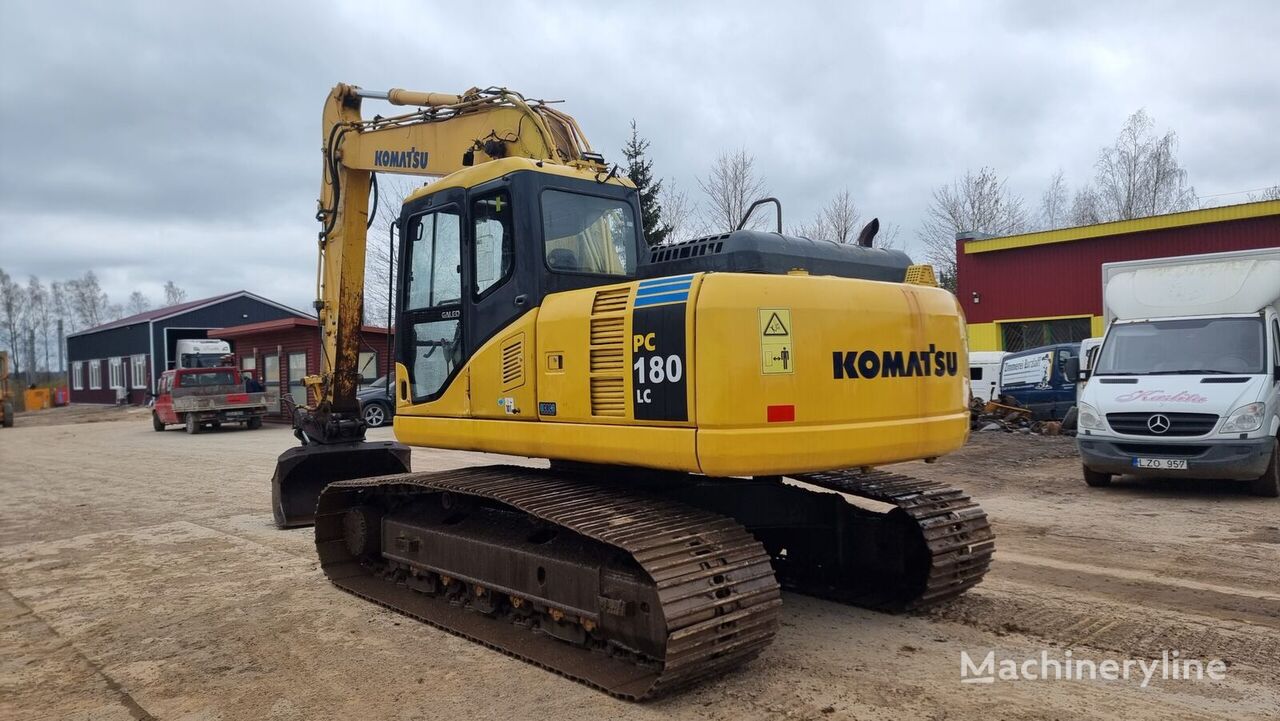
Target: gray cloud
point(151, 141)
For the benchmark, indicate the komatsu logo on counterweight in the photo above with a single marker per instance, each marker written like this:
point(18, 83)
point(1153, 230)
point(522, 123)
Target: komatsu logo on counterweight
point(894, 363)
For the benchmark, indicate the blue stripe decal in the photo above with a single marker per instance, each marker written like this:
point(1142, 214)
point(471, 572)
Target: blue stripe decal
point(662, 290)
point(679, 297)
point(664, 281)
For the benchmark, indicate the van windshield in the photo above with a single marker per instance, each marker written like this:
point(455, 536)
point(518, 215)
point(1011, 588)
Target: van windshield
point(1192, 346)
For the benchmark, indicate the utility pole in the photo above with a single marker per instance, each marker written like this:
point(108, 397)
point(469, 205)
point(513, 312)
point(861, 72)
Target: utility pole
point(61, 368)
point(31, 357)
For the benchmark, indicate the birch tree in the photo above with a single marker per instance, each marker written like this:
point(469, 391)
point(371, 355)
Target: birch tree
point(731, 187)
point(977, 202)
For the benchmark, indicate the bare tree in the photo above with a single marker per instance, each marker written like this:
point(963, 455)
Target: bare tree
point(889, 236)
point(1085, 207)
point(731, 187)
point(837, 221)
point(378, 249)
point(137, 303)
point(89, 304)
point(11, 303)
point(173, 295)
point(1053, 203)
point(39, 316)
point(1139, 175)
point(680, 213)
point(977, 202)
point(1272, 193)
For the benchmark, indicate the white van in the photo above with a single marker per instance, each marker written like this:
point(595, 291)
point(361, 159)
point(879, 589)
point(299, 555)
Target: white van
point(1188, 377)
point(984, 373)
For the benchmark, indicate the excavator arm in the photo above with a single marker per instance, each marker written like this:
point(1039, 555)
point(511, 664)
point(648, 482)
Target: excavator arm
point(443, 134)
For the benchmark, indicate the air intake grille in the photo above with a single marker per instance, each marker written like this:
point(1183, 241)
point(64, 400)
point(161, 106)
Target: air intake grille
point(513, 362)
point(611, 301)
point(694, 248)
point(1179, 424)
point(608, 382)
point(921, 275)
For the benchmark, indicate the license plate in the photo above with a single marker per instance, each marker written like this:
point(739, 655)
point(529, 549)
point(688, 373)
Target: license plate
point(235, 414)
point(1163, 464)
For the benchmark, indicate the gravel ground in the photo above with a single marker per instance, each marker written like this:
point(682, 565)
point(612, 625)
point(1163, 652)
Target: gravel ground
point(142, 578)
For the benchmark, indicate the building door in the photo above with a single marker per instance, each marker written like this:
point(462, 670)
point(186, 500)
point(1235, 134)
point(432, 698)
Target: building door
point(297, 371)
point(271, 376)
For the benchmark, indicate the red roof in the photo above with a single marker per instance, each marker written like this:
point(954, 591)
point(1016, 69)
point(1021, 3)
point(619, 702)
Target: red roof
point(270, 326)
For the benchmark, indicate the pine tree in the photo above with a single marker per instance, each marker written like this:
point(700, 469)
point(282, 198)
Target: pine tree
point(640, 171)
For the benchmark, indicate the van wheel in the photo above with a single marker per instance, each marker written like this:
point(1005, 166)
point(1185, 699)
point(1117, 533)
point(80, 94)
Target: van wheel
point(155, 422)
point(1096, 479)
point(192, 426)
point(253, 424)
point(1268, 484)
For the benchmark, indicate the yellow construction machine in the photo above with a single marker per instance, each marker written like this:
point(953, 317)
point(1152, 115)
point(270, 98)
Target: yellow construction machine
point(712, 410)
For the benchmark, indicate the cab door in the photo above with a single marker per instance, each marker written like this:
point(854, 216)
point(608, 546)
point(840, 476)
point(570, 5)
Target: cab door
point(431, 342)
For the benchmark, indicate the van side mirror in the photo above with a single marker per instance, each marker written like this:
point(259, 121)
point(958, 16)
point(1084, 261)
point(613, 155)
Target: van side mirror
point(1275, 373)
point(1071, 369)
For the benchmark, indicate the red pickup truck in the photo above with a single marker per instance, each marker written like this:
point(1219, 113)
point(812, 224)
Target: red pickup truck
point(199, 397)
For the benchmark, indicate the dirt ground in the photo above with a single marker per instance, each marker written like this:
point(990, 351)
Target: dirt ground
point(142, 578)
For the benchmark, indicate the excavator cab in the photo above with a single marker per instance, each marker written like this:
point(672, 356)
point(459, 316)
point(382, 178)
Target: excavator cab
point(476, 257)
point(478, 249)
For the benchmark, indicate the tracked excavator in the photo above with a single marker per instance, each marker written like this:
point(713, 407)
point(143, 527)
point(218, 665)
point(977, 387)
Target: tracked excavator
point(713, 410)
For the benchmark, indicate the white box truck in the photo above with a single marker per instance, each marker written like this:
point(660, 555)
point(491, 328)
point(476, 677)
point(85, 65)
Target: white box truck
point(1188, 377)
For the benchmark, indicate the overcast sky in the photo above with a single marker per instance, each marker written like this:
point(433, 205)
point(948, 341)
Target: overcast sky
point(174, 140)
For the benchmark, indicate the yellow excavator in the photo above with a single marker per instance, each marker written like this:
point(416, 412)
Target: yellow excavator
point(713, 410)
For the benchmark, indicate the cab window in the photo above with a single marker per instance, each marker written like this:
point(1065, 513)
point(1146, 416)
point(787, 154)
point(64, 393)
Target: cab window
point(435, 273)
point(494, 242)
point(587, 234)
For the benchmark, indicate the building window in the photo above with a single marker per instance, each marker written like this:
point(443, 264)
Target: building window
point(368, 367)
point(77, 375)
point(138, 370)
point(1037, 333)
point(116, 370)
point(95, 375)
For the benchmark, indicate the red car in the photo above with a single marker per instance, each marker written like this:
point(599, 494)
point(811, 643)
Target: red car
point(200, 397)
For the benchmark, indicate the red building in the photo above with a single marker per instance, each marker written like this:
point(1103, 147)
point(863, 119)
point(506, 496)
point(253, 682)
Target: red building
point(1024, 291)
point(283, 352)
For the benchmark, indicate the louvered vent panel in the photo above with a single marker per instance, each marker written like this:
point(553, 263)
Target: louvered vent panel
point(604, 360)
point(607, 352)
point(611, 301)
point(513, 363)
point(606, 331)
point(608, 398)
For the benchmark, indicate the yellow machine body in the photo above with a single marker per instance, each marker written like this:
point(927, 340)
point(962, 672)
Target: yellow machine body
point(814, 373)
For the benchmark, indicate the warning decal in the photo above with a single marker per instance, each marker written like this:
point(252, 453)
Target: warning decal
point(776, 352)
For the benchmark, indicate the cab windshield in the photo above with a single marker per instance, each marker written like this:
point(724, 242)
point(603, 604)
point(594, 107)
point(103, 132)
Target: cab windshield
point(1190, 346)
point(202, 360)
point(587, 234)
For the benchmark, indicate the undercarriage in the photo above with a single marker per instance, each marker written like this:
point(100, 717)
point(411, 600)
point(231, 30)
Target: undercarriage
point(636, 582)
